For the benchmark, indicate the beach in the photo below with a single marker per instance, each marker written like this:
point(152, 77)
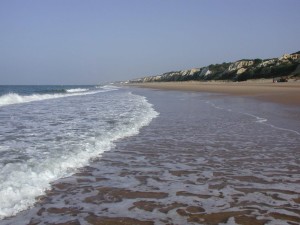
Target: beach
point(265, 89)
point(150, 112)
point(208, 158)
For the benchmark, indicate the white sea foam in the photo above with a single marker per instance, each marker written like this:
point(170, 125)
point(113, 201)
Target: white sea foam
point(56, 144)
point(258, 119)
point(77, 90)
point(13, 98)
point(264, 120)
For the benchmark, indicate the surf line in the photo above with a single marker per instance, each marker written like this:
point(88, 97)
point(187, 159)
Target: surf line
point(264, 121)
point(258, 119)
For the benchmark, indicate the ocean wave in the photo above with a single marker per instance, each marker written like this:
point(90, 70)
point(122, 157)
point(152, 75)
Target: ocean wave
point(52, 91)
point(108, 87)
point(22, 181)
point(73, 90)
point(14, 98)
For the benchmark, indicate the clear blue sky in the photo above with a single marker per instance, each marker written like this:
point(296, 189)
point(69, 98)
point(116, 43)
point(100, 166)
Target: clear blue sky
point(94, 41)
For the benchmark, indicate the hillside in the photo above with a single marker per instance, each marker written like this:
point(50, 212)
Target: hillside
point(287, 65)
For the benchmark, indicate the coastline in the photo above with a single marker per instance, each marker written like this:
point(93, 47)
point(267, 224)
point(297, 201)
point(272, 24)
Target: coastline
point(287, 93)
point(203, 160)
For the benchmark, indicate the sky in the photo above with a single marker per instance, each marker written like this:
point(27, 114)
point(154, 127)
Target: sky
point(97, 41)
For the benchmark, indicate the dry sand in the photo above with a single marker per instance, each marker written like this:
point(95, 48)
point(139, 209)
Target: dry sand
point(284, 93)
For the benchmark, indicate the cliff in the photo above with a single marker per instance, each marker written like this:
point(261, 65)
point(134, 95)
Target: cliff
point(287, 65)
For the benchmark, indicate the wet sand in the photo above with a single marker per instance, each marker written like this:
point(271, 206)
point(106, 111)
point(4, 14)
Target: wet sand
point(283, 93)
point(204, 160)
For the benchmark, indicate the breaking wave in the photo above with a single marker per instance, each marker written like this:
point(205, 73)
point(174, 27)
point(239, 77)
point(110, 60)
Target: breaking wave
point(53, 145)
point(74, 90)
point(15, 98)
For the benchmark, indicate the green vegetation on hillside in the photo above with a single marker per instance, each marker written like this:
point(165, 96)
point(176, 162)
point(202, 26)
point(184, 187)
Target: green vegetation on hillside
point(245, 69)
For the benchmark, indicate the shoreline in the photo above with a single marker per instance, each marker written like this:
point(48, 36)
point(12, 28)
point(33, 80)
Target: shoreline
point(283, 93)
point(201, 161)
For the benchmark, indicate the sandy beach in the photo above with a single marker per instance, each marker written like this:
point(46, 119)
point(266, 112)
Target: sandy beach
point(284, 93)
point(206, 159)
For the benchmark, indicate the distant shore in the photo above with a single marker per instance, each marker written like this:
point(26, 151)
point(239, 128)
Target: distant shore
point(283, 93)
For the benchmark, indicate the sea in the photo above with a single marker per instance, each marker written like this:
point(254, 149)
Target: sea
point(124, 155)
point(48, 132)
